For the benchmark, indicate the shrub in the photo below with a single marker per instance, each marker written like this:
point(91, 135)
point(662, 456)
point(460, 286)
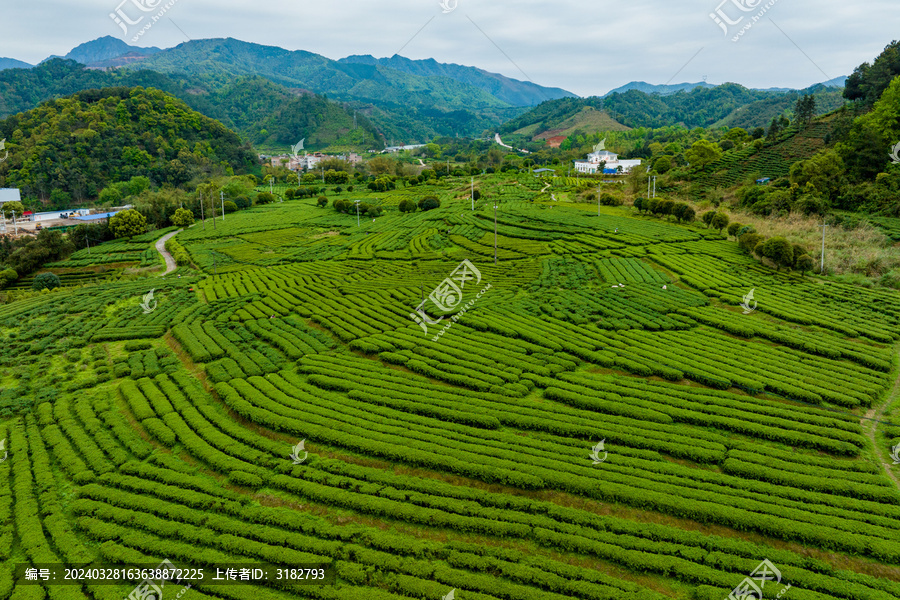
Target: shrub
point(733, 229)
point(607, 199)
point(719, 221)
point(7, 277)
point(749, 241)
point(230, 207)
point(805, 263)
point(289, 194)
point(45, 281)
point(183, 218)
point(265, 198)
point(322, 202)
point(128, 223)
point(707, 217)
point(429, 203)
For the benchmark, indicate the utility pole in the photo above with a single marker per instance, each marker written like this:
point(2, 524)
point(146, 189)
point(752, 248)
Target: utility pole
point(654, 186)
point(822, 268)
point(222, 199)
point(212, 204)
point(202, 216)
point(357, 212)
point(473, 193)
point(495, 232)
point(648, 187)
point(272, 185)
point(598, 200)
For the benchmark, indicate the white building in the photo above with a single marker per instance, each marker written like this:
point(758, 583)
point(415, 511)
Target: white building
point(611, 161)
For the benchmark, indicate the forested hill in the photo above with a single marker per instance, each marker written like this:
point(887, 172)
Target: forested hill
point(264, 113)
point(726, 104)
point(79, 144)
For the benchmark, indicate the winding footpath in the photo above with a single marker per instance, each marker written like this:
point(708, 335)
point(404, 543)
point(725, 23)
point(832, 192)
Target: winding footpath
point(161, 248)
point(870, 425)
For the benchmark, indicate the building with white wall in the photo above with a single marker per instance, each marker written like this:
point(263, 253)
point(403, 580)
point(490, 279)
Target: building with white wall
point(610, 161)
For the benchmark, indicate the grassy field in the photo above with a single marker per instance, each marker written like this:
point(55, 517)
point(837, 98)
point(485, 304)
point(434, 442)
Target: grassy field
point(452, 410)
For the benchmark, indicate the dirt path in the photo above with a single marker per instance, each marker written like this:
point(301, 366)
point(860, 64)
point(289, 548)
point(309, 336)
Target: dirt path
point(545, 188)
point(161, 248)
point(870, 425)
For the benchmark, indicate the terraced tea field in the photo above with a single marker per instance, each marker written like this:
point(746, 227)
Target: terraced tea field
point(451, 412)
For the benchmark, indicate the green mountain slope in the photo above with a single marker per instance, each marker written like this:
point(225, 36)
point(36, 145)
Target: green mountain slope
point(78, 145)
point(262, 112)
point(729, 105)
point(511, 91)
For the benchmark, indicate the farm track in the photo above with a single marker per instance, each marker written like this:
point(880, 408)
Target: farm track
point(870, 424)
point(161, 248)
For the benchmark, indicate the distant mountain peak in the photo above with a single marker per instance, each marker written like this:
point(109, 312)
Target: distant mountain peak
point(104, 49)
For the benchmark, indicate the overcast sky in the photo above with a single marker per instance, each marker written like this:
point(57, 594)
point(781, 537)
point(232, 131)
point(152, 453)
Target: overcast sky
point(586, 48)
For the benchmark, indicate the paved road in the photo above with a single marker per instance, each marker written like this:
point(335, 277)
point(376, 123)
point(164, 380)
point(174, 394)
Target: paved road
point(161, 248)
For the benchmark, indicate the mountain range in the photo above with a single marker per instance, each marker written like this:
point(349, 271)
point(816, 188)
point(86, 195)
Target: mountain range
point(273, 96)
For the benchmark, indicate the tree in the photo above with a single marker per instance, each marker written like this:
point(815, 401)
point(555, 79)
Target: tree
point(678, 210)
point(805, 109)
point(805, 263)
point(429, 203)
point(663, 164)
point(733, 229)
point(666, 207)
point(265, 198)
point(289, 194)
point(45, 281)
point(824, 172)
point(719, 221)
point(637, 180)
point(798, 252)
point(689, 215)
point(230, 206)
point(322, 202)
point(128, 223)
point(749, 241)
point(638, 203)
point(12, 208)
point(702, 153)
point(183, 218)
point(7, 276)
point(707, 217)
point(779, 251)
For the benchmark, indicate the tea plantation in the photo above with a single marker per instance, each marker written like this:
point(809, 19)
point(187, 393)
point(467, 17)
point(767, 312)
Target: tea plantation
point(451, 411)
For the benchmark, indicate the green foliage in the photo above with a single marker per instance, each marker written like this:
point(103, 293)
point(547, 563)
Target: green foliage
point(183, 218)
point(805, 263)
point(868, 81)
point(7, 276)
point(230, 207)
point(702, 153)
point(45, 281)
point(152, 135)
point(779, 251)
point(128, 223)
point(719, 221)
point(322, 201)
point(265, 198)
point(429, 203)
point(12, 208)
